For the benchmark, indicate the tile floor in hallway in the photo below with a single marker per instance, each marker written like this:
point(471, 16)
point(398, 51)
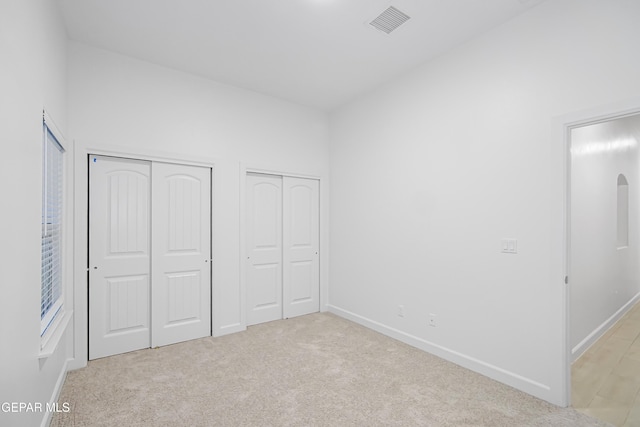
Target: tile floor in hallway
point(606, 379)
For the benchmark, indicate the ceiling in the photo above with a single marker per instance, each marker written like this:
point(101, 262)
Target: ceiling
point(320, 53)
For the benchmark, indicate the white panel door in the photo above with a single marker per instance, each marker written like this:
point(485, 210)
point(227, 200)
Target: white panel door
point(181, 247)
point(264, 248)
point(119, 261)
point(301, 235)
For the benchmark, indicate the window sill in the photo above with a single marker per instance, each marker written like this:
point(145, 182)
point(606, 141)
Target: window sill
point(50, 343)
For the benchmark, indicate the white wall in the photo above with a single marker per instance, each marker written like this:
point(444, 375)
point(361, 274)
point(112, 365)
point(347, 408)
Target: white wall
point(604, 278)
point(122, 105)
point(32, 77)
point(432, 170)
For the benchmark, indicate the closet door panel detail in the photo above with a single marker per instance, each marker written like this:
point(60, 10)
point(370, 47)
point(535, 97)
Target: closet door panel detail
point(301, 274)
point(264, 248)
point(181, 290)
point(119, 255)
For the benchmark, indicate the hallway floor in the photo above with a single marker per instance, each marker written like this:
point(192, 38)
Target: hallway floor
point(606, 379)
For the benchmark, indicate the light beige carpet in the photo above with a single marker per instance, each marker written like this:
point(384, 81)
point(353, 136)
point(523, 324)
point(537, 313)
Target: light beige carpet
point(316, 370)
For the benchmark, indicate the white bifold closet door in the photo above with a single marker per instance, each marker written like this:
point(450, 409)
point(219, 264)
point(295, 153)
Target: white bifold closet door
point(282, 269)
point(149, 254)
point(119, 255)
point(181, 253)
point(300, 247)
point(264, 248)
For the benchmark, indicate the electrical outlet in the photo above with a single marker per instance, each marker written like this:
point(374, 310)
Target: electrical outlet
point(401, 310)
point(432, 320)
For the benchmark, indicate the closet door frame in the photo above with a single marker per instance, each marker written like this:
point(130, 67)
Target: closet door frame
point(253, 169)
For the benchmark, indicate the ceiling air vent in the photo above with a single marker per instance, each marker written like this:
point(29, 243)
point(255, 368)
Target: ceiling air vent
point(389, 20)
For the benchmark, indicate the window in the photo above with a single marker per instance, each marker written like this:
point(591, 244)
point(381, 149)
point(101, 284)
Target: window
point(52, 219)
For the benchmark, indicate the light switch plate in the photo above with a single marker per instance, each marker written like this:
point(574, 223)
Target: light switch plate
point(509, 246)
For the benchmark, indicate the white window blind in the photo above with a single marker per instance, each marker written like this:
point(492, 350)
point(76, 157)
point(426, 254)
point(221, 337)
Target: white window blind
point(52, 201)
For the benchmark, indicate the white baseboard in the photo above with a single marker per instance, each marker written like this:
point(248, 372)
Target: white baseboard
point(77, 363)
point(512, 379)
point(598, 332)
point(46, 419)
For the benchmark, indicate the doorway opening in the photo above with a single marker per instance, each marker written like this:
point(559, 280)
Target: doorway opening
point(603, 263)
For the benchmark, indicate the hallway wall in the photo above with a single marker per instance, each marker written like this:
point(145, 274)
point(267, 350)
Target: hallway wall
point(604, 277)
